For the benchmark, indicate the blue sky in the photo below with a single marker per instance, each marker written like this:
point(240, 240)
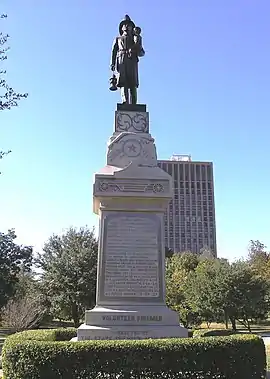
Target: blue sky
point(205, 79)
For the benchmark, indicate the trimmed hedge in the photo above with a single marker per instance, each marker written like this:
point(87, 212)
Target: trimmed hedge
point(38, 355)
point(213, 332)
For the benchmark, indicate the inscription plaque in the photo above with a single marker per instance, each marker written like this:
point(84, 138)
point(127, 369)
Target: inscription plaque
point(138, 335)
point(131, 265)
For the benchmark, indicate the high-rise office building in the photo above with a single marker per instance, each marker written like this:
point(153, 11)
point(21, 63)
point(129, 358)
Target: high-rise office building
point(190, 217)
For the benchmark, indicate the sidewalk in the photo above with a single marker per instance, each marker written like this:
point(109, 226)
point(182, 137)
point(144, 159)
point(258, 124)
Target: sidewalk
point(266, 341)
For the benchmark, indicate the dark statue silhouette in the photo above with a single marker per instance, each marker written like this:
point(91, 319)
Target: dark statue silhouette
point(126, 51)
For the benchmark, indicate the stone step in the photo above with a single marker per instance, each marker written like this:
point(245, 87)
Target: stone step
point(88, 332)
point(130, 315)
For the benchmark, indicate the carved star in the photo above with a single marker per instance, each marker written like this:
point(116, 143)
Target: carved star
point(132, 148)
point(158, 187)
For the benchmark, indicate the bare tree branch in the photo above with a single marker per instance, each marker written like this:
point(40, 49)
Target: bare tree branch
point(22, 314)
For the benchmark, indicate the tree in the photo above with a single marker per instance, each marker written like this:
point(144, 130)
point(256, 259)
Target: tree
point(259, 258)
point(8, 96)
point(178, 270)
point(26, 284)
point(13, 259)
point(204, 292)
point(233, 291)
point(188, 261)
point(3, 153)
point(249, 293)
point(26, 309)
point(69, 266)
point(21, 314)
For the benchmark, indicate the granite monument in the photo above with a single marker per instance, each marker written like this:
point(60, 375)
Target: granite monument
point(130, 195)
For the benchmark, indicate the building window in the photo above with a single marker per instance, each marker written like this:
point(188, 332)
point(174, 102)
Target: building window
point(209, 172)
point(198, 172)
point(187, 177)
point(176, 171)
point(192, 172)
point(203, 172)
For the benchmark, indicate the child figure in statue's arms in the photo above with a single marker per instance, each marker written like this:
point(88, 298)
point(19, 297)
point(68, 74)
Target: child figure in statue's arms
point(138, 41)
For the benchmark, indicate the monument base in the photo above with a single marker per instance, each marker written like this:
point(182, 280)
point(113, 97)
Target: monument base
point(131, 194)
point(130, 322)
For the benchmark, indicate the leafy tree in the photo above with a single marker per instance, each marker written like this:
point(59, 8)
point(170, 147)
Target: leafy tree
point(259, 258)
point(188, 261)
point(255, 248)
point(204, 292)
point(8, 96)
point(218, 289)
point(69, 266)
point(13, 259)
point(178, 270)
point(3, 153)
point(26, 283)
point(249, 293)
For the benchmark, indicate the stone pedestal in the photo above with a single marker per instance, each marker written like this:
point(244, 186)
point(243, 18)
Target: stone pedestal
point(131, 194)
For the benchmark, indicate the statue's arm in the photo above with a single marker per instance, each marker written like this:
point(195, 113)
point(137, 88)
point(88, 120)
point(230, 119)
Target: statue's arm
point(114, 53)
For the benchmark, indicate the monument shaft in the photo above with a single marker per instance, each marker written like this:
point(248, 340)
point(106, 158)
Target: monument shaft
point(131, 194)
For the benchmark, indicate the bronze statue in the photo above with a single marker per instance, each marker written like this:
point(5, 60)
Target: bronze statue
point(127, 49)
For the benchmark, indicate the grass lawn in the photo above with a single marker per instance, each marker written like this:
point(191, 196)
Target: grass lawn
point(256, 329)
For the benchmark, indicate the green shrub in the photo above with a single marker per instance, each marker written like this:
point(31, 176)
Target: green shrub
point(213, 332)
point(34, 355)
point(61, 334)
point(64, 334)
